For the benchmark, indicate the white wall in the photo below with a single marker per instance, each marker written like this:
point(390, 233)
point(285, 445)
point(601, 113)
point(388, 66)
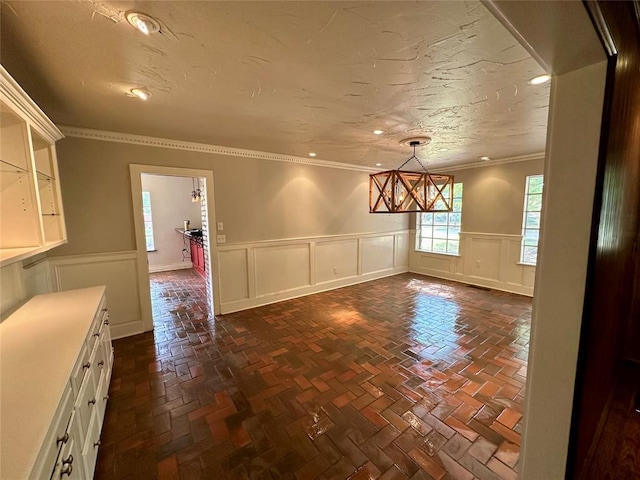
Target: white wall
point(491, 231)
point(285, 223)
point(573, 139)
point(256, 199)
point(170, 205)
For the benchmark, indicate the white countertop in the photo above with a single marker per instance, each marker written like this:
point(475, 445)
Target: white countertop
point(39, 345)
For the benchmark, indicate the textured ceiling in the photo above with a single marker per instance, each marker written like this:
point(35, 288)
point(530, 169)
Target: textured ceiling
point(286, 77)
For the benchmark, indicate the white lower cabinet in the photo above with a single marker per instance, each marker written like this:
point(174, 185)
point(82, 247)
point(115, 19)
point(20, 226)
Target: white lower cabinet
point(70, 422)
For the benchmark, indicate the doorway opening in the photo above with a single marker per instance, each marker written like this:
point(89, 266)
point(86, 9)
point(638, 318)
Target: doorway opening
point(173, 209)
point(173, 219)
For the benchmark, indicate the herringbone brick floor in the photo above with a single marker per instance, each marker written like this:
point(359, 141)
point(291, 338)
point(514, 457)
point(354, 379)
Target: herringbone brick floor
point(404, 377)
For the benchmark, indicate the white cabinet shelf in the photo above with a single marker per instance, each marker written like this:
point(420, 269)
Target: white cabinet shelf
point(31, 213)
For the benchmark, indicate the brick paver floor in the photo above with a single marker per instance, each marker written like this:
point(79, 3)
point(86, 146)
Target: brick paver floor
point(404, 377)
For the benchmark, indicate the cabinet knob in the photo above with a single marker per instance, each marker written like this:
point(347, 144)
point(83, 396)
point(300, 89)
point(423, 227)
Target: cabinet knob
point(104, 309)
point(68, 461)
point(92, 401)
point(63, 439)
point(97, 444)
point(66, 470)
point(106, 322)
point(101, 363)
point(105, 398)
point(86, 365)
point(96, 334)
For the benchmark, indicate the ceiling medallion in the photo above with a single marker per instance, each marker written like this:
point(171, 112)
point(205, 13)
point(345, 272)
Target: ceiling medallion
point(401, 191)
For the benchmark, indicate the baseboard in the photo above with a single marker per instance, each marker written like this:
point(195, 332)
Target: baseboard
point(169, 267)
point(477, 281)
point(246, 303)
point(121, 330)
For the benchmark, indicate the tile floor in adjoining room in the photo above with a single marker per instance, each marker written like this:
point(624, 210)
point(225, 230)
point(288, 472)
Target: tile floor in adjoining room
point(403, 377)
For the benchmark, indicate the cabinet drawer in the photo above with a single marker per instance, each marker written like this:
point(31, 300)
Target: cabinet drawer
point(69, 464)
point(56, 438)
point(91, 445)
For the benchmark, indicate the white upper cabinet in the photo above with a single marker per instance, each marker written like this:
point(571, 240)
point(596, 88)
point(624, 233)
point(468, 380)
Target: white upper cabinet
point(31, 214)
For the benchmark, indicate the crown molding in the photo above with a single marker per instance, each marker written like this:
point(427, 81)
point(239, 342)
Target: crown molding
point(117, 137)
point(491, 163)
point(202, 147)
point(26, 107)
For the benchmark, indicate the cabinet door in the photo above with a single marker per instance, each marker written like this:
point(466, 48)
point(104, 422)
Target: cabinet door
point(86, 401)
point(201, 258)
point(69, 464)
point(91, 445)
point(194, 254)
point(80, 369)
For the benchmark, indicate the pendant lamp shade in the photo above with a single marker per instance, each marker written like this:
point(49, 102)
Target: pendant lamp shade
point(400, 191)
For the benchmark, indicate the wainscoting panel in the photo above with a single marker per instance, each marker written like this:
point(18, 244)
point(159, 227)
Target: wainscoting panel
point(118, 271)
point(12, 287)
point(22, 280)
point(377, 253)
point(402, 250)
point(234, 269)
point(482, 256)
point(259, 273)
point(281, 268)
point(485, 259)
point(435, 262)
point(336, 260)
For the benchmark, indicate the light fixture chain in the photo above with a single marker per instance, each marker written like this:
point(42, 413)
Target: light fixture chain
point(412, 157)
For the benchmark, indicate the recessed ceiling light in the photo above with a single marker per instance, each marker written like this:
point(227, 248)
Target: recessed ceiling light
point(485, 158)
point(141, 93)
point(311, 154)
point(378, 132)
point(143, 22)
point(540, 79)
point(444, 149)
point(378, 164)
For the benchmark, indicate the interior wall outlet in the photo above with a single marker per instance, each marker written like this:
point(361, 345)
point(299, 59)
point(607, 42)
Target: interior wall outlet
point(222, 238)
point(335, 270)
point(220, 226)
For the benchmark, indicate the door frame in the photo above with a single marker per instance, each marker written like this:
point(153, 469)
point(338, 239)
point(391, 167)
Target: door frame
point(136, 170)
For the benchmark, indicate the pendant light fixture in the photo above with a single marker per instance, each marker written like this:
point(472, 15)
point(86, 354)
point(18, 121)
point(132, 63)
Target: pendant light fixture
point(401, 191)
point(196, 195)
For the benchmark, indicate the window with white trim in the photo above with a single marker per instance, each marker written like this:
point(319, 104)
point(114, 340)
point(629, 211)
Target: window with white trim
point(148, 221)
point(531, 219)
point(439, 232)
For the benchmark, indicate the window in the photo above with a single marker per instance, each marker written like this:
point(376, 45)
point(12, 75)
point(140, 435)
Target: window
point(531, 219)
point(148, 221)
point(440, 232)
